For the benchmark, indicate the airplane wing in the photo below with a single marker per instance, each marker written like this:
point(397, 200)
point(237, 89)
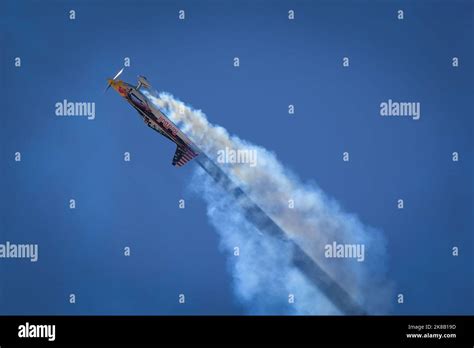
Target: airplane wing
point(183, 155)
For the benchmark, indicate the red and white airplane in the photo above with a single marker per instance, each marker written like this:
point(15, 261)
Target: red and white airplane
point(155, 118)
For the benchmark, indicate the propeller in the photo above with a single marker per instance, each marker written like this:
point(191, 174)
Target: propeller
point(114, 78)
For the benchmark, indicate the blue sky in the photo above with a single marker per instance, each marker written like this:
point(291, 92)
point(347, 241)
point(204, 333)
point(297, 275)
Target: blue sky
point(282, 62)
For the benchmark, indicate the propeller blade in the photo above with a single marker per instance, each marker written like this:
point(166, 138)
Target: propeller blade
point(118, 74)
point(115, 77)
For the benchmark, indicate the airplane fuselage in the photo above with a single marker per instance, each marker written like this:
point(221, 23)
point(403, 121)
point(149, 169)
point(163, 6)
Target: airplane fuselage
point(154, 117)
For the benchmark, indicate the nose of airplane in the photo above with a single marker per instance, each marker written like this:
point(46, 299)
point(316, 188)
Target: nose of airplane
point(119, 86)
point(114, 84)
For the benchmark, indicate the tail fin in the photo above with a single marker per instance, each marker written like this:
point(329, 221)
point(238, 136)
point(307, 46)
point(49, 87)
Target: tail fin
point(183, 155)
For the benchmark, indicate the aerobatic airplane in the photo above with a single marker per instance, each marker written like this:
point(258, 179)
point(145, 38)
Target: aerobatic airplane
point(155, 118)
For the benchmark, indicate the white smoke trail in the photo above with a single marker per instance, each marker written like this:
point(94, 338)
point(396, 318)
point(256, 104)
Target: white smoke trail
point(263, 273)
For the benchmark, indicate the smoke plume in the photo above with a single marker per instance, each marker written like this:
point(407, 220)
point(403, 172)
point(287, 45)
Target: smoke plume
point(265, 273)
